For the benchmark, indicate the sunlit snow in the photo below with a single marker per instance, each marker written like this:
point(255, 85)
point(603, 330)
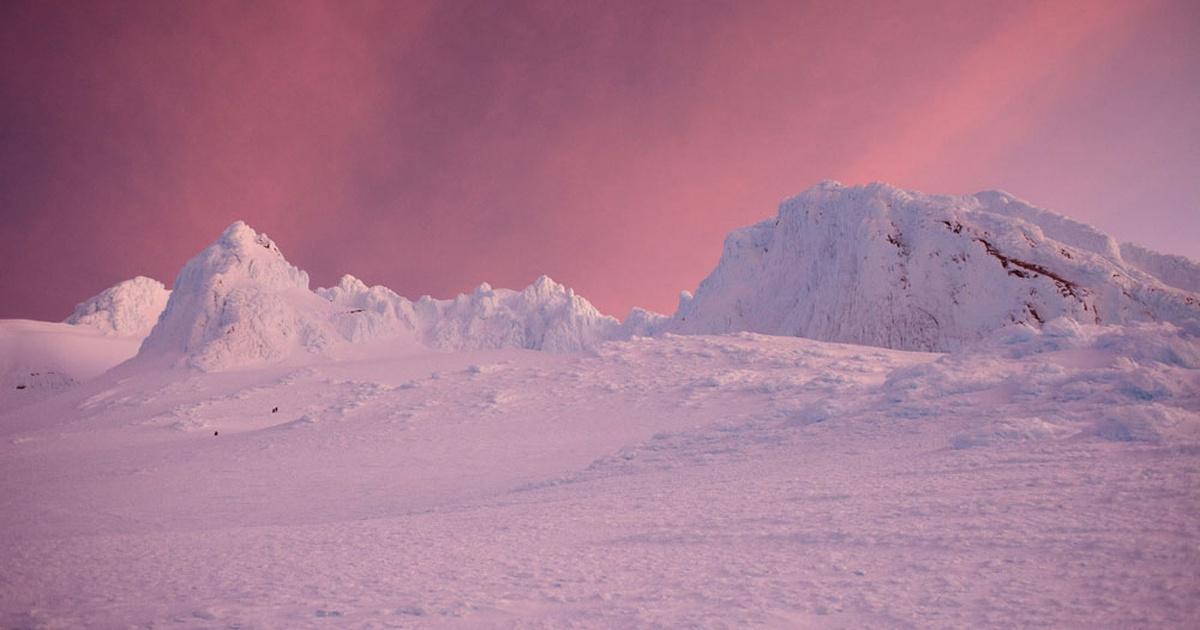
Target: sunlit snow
point(273, 456)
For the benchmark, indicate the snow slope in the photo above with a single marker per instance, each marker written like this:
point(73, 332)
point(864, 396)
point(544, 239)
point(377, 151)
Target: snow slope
point(41, 359)
point(1046, 478)
point(127, 309)
point(882, 266)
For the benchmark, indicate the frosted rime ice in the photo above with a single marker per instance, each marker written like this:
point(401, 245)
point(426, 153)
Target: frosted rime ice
point(871, 265)
point(1173, 271)
point(886, 267)
point(240, 303)
point(129, 308)
point(543, 316)
point(237, 303)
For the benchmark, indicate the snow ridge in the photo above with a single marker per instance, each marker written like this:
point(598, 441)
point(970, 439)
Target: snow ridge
point(871, 265)
point(881, 266)
point(1173, 271)
point(240, 303)
point(544, 316)
point(126, 309)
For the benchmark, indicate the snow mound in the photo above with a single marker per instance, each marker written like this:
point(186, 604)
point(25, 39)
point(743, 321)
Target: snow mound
point(126, 309)
point(881, 266)
point(239, 303)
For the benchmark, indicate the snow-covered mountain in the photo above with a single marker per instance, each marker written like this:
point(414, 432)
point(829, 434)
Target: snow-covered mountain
point(126, 309)
point(352, 473)
point(881, 266)
point(871, 265)
point(240, 303)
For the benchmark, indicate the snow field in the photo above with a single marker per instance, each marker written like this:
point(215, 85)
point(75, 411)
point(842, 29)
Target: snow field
point(712, 481)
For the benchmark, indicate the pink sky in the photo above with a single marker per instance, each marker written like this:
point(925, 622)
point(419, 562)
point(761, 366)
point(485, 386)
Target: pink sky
point(609, 145)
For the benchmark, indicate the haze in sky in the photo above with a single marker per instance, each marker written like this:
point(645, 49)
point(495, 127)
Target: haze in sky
point(432, 147)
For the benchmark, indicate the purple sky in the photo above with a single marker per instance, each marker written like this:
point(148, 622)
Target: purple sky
point(611, 145)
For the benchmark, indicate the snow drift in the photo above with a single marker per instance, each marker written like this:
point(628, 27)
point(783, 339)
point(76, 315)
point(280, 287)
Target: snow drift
point(881, 266)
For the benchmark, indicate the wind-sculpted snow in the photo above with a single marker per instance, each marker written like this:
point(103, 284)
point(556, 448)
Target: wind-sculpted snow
point(237, 303)
point(1133, 383)
point(869, 265)
point(240, 303)
point(364, 313)
point(127, 309)
point(543, 316)
point(1173, 271)
point(881, 266)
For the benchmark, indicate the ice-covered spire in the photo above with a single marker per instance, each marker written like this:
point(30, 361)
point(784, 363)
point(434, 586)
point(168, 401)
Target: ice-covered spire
point(238, 302)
